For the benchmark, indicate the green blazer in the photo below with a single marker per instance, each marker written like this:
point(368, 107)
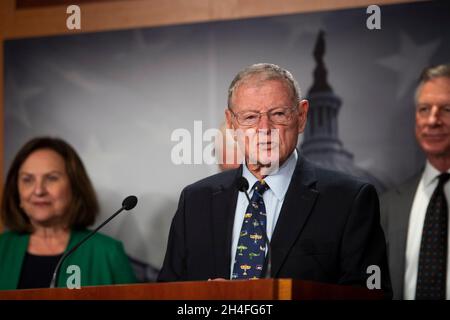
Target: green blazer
point(102, 260)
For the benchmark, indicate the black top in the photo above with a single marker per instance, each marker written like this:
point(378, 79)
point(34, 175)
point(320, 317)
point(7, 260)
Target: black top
point(37, 271)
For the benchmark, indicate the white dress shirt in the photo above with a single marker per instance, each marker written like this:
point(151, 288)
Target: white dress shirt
point(273, 200)
point(422, 197)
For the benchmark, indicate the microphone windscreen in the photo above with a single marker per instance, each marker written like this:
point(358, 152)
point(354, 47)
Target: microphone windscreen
point(129, 202)
point(242, 184)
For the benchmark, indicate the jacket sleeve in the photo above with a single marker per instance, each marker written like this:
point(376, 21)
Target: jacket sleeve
point(363, 247)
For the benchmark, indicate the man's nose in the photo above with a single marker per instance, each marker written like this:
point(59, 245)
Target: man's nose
point(264, 122)
point(434, 117)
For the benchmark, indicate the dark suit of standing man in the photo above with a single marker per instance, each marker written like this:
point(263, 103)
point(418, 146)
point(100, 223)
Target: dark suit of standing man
point(323, 225)
point(407, 212)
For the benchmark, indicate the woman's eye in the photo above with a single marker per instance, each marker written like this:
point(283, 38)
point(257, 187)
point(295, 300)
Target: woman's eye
point(52, 178)
point(26, 180)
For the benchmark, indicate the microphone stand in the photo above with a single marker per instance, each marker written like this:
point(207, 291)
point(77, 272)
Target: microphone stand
point(127, 204)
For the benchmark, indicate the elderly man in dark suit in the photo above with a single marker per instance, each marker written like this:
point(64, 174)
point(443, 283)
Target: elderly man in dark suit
point(415, 215)
point(322, 225)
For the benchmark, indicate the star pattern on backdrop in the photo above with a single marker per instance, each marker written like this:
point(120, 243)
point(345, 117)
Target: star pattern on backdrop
point(409, 54)
point(22, 95)
point(307, 26)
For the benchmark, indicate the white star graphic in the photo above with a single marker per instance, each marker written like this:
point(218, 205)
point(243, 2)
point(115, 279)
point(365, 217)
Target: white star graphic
point(409, 61)
point(20, 95)
point(300, 26)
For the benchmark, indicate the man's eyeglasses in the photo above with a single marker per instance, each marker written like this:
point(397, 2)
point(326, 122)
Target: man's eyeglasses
point(282, 115)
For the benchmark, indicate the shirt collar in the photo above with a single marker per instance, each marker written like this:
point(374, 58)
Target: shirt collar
point(430, 174)
point(279, 181)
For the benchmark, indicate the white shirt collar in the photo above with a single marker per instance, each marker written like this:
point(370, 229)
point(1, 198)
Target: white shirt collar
point(279, 181)
point(430, 174)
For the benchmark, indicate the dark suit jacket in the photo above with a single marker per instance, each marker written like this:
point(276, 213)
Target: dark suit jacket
point(328, 229)
point(396, 207)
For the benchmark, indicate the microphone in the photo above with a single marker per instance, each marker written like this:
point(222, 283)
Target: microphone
point(127, 204)
point(242, 185)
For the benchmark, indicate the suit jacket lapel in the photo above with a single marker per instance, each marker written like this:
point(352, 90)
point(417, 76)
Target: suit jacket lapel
point(224, 200)
point(401, 211)
point(299, 200)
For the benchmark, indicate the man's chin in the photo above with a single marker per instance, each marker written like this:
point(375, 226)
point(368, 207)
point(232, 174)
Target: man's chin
point(265, 160)
point(436, 149)
point(267, 165)
point(268, 161)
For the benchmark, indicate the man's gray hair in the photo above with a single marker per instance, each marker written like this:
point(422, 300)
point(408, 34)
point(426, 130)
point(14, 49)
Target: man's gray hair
point(429, 73)
point(264, 72)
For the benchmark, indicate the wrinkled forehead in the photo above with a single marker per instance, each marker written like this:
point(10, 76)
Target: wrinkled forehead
point(434, 90)
point(253, 86)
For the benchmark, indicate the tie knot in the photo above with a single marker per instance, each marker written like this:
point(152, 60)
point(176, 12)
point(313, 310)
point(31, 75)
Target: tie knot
point(443, 178)
point(260, 186)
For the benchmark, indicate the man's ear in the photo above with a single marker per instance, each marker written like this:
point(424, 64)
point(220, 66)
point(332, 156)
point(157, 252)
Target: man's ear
point(303, 107)
point(229, 121)
point(228, 118)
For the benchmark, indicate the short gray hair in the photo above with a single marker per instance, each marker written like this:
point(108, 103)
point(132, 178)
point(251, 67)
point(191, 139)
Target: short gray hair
point(264, 72)
point(430, 73)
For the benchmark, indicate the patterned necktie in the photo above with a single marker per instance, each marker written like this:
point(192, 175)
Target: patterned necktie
point(251, 249)
point(431, 276)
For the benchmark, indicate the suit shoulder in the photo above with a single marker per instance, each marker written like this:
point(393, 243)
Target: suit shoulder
point(9, 236)
point(395, 191)
point(389, 194)
point(5, 236)
point(99, 240)
point(104, 240)
point(327, 178)
point(224, 178)
point(7, 239)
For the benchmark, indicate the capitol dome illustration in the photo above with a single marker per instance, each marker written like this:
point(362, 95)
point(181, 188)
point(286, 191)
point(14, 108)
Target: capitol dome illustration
point(321, 142)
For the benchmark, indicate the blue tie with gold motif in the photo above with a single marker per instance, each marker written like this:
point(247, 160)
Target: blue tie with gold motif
point(251, 249)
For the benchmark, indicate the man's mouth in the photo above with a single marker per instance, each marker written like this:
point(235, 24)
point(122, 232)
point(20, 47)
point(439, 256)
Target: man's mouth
point(266, 146)
point(435, 136)
point(267, 143)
